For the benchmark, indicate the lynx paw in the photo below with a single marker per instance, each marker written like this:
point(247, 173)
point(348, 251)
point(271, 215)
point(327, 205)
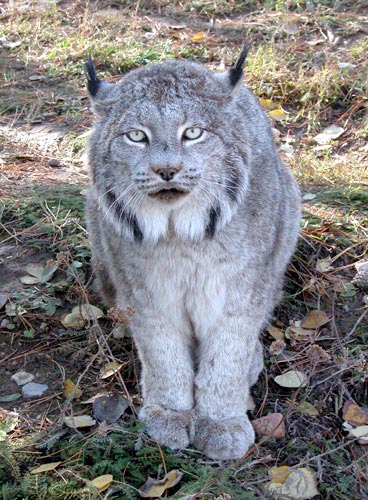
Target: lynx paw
point(171, 428)
point(223, 440)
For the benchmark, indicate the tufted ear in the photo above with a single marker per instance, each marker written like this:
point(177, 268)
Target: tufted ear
point(102, 94)
point(236, 72)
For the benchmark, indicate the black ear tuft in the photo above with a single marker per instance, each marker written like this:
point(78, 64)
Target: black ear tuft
point(236, 71)
point(93, 83)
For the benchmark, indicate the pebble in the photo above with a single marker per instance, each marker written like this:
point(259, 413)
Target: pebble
point(22, 378)
point(33, 390)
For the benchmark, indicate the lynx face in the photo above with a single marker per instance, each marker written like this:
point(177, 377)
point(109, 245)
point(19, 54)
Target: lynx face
point(161, 153)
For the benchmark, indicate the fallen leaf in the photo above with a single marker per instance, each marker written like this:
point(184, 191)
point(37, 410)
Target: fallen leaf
point(79, 422)
point(29, 280)
point(306, 409)
point(73, 320)
point(328, 134)
point(10, 45)
point(272, 425)
point(101, 483)
point(314, 319)
point(45, 467)
point(360, 432)
point(88, 311)
point(275, 332)
point(324, 265)
point(109, 408)
point(279, 474)
point(70, 389)
point(43, 273)
point(8, 420)
point(300, 484)
point(278, 114)
point(354, 414)
point(154, 488)
point(10, 398)
point(299, 334)
point(292, 379)
point(198, 36)
point(109, 369)
point(269, 104)
point(308, 196)
point(290, 28)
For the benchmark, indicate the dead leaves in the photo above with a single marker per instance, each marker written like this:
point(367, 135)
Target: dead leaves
point(292, 379)
point(80, 314)
point(328, 134)
point(101, 483)
point(315, 319)
point(79, 422)
point(356, 420)
point(45, 468)
point(272, 425)
point(295, 484)
point(38, 273)
point(154, 488)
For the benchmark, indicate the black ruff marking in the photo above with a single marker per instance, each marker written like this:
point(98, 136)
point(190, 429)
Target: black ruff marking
point(93, 83)
point(121, 213)
point(236, 71)
point(138, 235)
point(212, 222)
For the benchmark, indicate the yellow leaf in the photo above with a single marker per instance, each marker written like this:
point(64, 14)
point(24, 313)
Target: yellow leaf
point(278, 114)
point(279, 474)
point(153, 488)
point(275, 332)
point(198, 36)
point(315, 319)
point(69, 388)
point(307, 409)
point(45, 467)
point(269, 104)
point(73, 320)
point(299, 334)
point(300, 484)
point(88, 311)
point(292, 379)
point(109, 369)
point(79, 421)
point(102, 482)
point(353, 414)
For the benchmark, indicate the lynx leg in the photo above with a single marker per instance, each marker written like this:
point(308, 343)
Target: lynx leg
point(167, 382)
point(255, 368)
point(104, 285)
point(223, 430)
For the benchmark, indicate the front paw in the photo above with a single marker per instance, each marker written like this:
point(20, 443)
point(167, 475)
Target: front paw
point(171, 428)
point(223, 439)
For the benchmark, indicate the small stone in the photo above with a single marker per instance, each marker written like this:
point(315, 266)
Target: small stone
point(4, 323)
point(33, 390)
point(22, 378)
point(53, 162)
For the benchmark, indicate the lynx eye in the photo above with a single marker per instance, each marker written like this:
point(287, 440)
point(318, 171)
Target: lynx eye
point(192, 133)
point(137, 135)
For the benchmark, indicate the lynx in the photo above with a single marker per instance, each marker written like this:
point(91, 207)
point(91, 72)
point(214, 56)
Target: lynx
point(192, 218)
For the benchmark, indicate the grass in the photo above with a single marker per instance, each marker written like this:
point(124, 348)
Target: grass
point(45, 116)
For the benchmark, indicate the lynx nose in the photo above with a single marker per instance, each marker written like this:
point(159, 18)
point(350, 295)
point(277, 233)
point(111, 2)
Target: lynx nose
point(167, 173)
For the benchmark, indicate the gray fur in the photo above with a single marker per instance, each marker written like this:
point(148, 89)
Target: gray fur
point(204, 270)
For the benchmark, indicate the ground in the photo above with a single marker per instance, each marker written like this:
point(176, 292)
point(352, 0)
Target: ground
point(307, 64)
